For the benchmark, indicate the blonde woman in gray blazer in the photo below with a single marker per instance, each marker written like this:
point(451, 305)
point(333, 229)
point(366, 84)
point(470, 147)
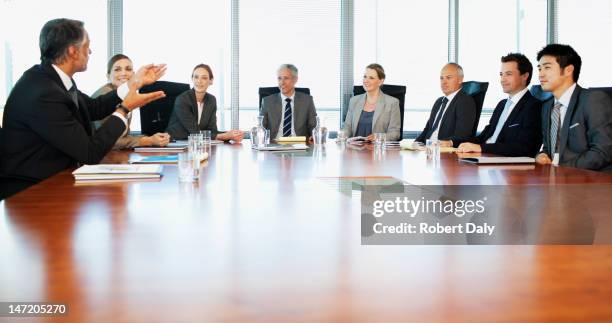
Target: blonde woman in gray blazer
point(373, 111)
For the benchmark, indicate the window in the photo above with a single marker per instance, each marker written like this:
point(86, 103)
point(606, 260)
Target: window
point(586, 26)
point(21, 27)
point(409, 39)
point(489, 30)
point(182, 35)
point(299, 32)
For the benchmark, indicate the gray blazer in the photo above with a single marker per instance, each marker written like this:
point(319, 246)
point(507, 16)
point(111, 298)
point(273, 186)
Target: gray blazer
point(304, 114)
point(387, 117)
point(586, 133)
point(184, 118)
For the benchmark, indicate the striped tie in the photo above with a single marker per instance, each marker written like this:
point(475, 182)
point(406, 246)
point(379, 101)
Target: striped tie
point(287, 120)
point(555, 120)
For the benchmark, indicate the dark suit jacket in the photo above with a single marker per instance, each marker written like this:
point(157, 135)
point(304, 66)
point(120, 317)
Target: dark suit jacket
point(521, 134)
point(45, 133)
point(458, 120)
point(586, 133)
point(304, 114)
point(184, 118)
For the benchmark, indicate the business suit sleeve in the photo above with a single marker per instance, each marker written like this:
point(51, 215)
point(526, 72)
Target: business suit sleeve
point(264, 113)
point(212, 121)
point(55, 123)
point(393, 131)
point(466, 117)
point(102, 106)
point(312, 116)
point(127, 141)
point(182, 109)
point(348, 121)
point(598, 119)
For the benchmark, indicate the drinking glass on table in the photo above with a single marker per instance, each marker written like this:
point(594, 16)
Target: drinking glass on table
point(186, 167)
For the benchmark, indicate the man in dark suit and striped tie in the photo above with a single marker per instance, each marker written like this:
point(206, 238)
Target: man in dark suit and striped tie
point(288, 113)
point(577, 124)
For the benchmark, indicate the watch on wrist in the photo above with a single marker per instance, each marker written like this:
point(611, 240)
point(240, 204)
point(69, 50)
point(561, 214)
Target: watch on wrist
point(122, 107)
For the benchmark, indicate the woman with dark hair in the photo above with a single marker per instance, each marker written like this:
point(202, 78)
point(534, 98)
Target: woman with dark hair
point(118, 71)
point(196, 110)
point(373, 111)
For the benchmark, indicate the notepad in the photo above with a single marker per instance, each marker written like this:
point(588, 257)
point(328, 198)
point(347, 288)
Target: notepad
point(292, 139)
point(117, 171)
point(498, 160)
point(174, 148)
point(410, 144)
point(277, 147)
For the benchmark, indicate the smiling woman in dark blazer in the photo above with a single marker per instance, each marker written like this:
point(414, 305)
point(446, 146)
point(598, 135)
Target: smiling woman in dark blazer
point(196, 110)
point(373, 111)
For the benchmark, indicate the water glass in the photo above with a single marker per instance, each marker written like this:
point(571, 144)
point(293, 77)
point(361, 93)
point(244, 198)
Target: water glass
point(432, 146)
point(186, 167)
point(206, 136)
point(197, 145)
point(379, 139)
point(342, 136)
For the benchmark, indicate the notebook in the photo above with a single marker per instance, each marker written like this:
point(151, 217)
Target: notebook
point(117, 171)
point(277, 147)
point(498, 160)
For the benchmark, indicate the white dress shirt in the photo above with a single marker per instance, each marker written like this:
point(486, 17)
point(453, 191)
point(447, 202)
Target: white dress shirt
point(505, 113)
point(449, 99)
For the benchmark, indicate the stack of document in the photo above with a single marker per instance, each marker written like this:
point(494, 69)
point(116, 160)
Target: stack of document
point(173, 147)
point(116, 171)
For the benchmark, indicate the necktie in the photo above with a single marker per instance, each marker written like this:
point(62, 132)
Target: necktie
point(500, 122)
point(439, 116)
point(287, 120)
point(73, 94)
point(555, 120)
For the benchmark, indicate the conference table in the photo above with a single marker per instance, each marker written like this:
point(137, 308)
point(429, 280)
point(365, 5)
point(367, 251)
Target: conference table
point(277, 237)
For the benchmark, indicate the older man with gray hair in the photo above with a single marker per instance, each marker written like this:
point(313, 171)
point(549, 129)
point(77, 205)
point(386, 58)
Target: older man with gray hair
point(288, 113)
point(454, 114)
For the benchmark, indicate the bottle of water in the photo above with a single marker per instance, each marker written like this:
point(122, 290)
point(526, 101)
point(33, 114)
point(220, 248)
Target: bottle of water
point(319, 133)
point(260, 136)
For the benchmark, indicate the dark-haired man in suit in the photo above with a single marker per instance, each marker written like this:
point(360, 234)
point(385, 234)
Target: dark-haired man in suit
point(577, 124)
point(454, 114)
point(288, 113)
point(515, 126)
point(47, 120)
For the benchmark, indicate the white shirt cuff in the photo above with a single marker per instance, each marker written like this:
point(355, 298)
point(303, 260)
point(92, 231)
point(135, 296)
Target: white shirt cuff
point(120, 116)
point(122, 91)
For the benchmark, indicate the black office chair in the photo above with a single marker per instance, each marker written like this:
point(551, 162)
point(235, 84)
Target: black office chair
point(154, 116)
point(477, 90)
point(396, 91)
point(608, 90)
point(266, 91)
point(538, 93)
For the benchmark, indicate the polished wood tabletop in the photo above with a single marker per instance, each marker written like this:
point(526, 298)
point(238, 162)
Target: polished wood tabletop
point(276, 237)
